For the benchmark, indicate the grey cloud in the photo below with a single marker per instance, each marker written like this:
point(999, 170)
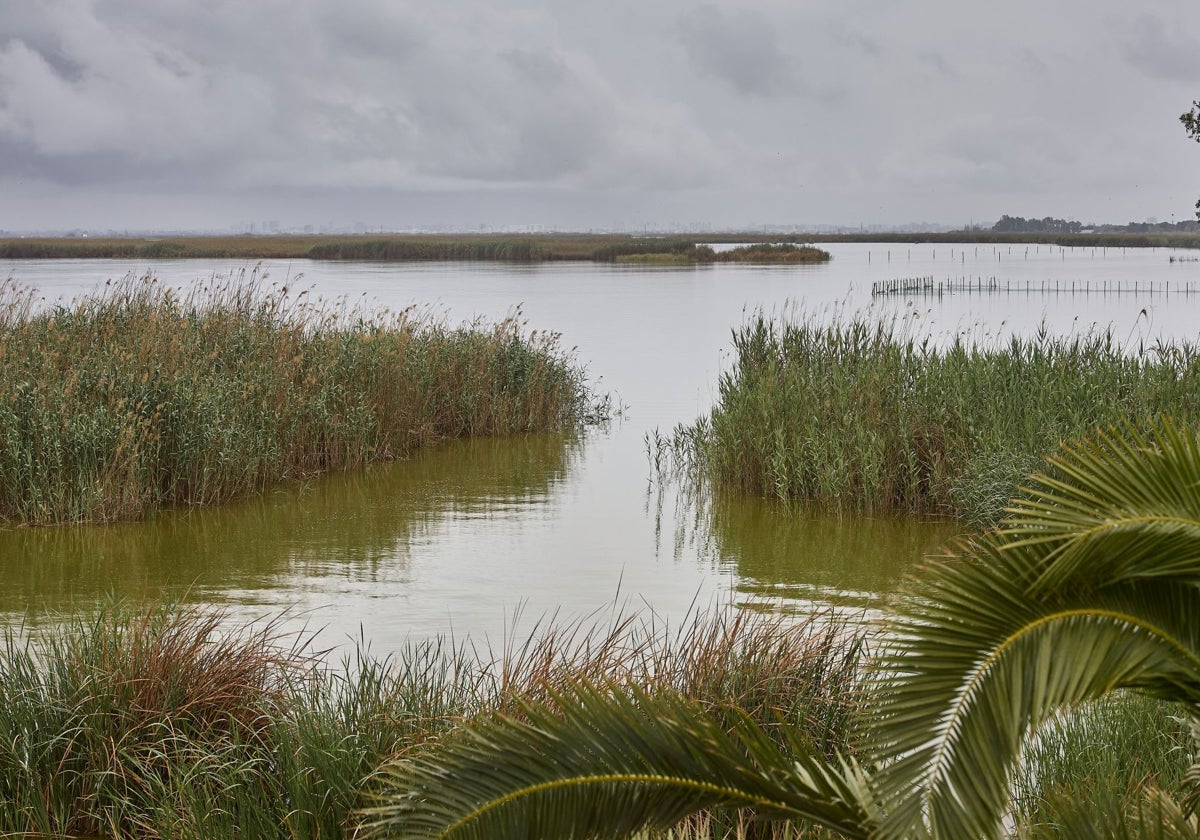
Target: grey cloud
point(22, 161)
point(990, 152)
point(366, 30)
point(740, 49)
point(537, 67)
point(938, 63)
point(855, 40)
point(124, 93)
point(1031, 61)
point(54, 57)
point(1161, 53)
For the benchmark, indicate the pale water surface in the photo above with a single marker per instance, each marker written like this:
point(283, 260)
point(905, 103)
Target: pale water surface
point(465, 537)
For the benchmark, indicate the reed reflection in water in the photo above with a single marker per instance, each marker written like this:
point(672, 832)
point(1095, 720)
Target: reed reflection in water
point(306, 547)
point(785, 557)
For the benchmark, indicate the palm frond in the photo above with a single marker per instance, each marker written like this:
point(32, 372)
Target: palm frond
point(1088, 588)
point(1120, 507)
point(1159, 817)
point(1191, 781)
point(605, 762)
point(1091, 586)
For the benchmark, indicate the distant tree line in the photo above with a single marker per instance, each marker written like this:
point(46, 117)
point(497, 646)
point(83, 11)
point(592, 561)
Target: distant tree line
point(1019, 224)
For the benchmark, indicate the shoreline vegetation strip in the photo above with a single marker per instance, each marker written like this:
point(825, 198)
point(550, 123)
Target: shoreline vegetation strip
point(143, 397)
point(516, 247)
point(175, 720)
point(171, 720)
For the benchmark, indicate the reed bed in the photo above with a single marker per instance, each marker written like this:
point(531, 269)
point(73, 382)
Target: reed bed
point(390, 247)
point(404, 250)
point(652, 249)
point(1086, 768)
point(168, 721)
point(857, 416)
point(784, 253)
point(141, 396)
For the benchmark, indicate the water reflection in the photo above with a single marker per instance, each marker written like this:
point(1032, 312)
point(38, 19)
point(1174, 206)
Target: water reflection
point(784, 556)
point(359, 527)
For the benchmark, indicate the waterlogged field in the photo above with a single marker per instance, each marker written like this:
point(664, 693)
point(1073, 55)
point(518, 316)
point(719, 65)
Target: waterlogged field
point(484, 537)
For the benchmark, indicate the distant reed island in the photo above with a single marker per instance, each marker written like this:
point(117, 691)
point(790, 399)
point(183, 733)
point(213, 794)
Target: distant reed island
point(772, 248)
point(664, 250)
point(761, 253)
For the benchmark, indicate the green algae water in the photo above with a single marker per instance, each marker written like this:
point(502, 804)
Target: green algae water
point(485, 537)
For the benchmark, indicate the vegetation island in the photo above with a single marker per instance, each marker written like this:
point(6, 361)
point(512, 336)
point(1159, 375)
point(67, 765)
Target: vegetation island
point(670, 249)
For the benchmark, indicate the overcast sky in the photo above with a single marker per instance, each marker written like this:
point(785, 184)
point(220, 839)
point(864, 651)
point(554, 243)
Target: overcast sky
point(177, 114)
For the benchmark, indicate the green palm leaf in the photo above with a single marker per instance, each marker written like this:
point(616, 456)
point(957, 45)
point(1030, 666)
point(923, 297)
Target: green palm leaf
point(1090, 587)
point(1117, 508)
point(605, 762)
point(1156, 817)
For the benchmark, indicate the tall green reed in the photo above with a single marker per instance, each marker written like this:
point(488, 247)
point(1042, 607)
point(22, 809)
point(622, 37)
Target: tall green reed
point(143, 396)
point(860, 416)
point(1086, 768)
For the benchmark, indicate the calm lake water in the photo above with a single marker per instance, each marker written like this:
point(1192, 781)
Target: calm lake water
point(476, 537)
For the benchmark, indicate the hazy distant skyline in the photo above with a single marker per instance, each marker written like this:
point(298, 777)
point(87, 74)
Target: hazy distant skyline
point(171, 114)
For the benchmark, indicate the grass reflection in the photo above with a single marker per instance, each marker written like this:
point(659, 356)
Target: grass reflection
point(358, 524)
point(787, 553)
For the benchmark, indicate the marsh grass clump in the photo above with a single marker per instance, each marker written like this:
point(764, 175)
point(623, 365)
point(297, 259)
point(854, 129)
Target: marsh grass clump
point(799, 678)
point(110, 713)
point(171, 721)
point(782, 253)
point(168, 720)
point(792, 673)
point(142, 397)
point(654, 251)
point(857, 416)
